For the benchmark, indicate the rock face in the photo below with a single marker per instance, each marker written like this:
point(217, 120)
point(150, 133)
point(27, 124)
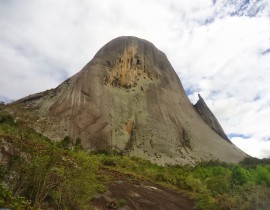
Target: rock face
point(128, 98)
point(210, 118)
point(7, 151)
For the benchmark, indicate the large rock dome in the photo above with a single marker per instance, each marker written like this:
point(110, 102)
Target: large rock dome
point(128, 98)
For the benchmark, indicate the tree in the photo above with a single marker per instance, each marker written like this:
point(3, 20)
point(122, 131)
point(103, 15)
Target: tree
point(78, 143)
point(66, 142)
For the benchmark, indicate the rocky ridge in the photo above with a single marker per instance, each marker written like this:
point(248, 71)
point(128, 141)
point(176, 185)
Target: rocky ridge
point(209, 118)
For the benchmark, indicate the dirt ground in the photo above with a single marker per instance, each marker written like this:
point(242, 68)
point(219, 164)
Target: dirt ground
point(128, 195)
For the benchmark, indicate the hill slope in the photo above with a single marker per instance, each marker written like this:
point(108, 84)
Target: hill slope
point(37, 173)
point(129, 99)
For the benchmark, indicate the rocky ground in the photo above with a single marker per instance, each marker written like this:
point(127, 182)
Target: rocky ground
point(127, 194)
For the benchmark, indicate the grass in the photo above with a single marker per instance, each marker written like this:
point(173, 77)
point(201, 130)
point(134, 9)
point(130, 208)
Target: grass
point(43, 174)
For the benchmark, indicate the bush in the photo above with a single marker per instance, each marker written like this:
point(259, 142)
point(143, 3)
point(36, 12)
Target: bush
point(6, 118)
point(262, 176)
point(55, 177)
point(7, 199)
point(253, 162)
point(204, 200)
point(78, 144)
point(240, 175)
point(65, 143)
point(218, 184)
point(195, 184)
point(108, 160)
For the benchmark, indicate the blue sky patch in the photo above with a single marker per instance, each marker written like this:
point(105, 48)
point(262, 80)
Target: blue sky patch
point(189, 91)
point(246, 8)
point(233, 135)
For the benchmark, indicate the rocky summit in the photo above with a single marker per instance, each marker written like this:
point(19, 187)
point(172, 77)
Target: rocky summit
point(129, 99)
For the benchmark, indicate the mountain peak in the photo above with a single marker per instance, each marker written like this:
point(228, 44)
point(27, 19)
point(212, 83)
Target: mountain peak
point(207, 115)
point(129, 99)
point(129, 59)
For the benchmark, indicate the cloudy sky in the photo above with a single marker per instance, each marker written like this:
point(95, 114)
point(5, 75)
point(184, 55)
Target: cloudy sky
point(219, 48)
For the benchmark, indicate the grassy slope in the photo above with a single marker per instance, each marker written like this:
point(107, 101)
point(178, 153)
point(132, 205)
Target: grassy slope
point(47, 175)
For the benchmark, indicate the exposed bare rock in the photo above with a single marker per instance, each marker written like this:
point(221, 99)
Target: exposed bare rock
point(209, 118)
point(128, 98)
point(127, 196)
point(7, 151)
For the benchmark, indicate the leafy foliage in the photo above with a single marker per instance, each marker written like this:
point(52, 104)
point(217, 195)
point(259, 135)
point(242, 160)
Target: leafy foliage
point(47, 175)
point(5, 118)
point(211, 185)
point(8, 200)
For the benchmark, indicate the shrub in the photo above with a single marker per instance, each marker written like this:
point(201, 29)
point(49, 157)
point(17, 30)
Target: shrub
point(108, 161)
point(218, 184)
point(262, 176)
point(240, 175)
point(7, 199)
point(195, 184)
point(6, 118)
point(65, 143)
point(204, 200)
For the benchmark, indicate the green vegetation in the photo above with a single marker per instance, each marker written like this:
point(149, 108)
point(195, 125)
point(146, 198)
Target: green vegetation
point(42, 174)
point(212, 185)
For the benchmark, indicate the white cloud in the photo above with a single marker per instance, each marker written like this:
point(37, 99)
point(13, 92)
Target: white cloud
point(216, 47)
point(254, 147)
